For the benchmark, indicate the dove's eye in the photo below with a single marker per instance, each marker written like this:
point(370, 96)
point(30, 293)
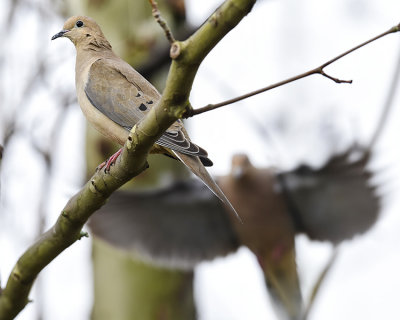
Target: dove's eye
point(79, 23)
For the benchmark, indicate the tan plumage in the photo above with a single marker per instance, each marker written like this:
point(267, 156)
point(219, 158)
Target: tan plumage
point(269, 231)
point(114, 97)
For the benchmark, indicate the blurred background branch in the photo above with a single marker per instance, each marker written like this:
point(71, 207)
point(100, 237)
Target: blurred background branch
point(388, 103)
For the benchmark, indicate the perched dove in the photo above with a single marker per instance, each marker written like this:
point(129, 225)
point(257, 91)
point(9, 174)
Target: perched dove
point(114, 97)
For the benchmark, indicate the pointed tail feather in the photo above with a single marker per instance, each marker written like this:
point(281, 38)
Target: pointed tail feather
point(195, 165)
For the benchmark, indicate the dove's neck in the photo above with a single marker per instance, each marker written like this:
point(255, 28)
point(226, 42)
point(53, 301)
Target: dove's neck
point(86, 57)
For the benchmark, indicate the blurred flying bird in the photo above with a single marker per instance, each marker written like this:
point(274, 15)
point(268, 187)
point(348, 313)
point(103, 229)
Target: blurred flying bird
point(335, 202)
point(269, 231)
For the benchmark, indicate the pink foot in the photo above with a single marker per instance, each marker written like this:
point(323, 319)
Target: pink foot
point(108, 163)
point(278, 252)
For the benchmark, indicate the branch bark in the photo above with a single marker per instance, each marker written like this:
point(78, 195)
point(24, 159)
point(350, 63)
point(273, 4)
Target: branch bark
point(187, 57)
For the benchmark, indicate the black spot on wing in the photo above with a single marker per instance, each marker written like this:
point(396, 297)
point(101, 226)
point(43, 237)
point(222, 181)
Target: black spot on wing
point(123, 102)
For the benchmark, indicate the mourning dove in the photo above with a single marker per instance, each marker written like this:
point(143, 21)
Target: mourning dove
point(114, 97)
point(269, 231)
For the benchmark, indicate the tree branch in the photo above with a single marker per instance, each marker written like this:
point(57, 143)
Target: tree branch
point(187, 57)
point(163, 24)
point(388, 104)
point(321, 278)
point(318, 70)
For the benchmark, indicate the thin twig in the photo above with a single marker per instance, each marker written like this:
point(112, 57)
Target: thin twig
point(318, 70)
point(160, 20)
point(388, 104)
point(318, 283)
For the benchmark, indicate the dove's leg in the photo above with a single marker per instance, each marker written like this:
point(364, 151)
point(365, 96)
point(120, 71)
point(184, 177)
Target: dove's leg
point(108, 163)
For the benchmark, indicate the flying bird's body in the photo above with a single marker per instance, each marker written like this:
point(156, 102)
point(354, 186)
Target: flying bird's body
point(114, 97)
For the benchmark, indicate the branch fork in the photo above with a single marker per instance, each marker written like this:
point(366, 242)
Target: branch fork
point(318, 70)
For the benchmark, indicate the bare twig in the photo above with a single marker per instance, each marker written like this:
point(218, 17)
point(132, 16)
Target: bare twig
point(318, 283)
point(318, 70)
point(163, 24)
point(388, 104)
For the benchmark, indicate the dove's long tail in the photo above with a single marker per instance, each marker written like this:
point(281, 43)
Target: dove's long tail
point(195, 165)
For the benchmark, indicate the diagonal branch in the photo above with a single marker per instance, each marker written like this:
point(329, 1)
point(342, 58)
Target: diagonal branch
point(318, 70)
point(187, 58)
point(317, 286)
point(188, 55)
point(388, 104)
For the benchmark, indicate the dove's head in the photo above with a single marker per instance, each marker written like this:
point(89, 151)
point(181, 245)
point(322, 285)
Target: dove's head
point(83, 31)
point(241, 166)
